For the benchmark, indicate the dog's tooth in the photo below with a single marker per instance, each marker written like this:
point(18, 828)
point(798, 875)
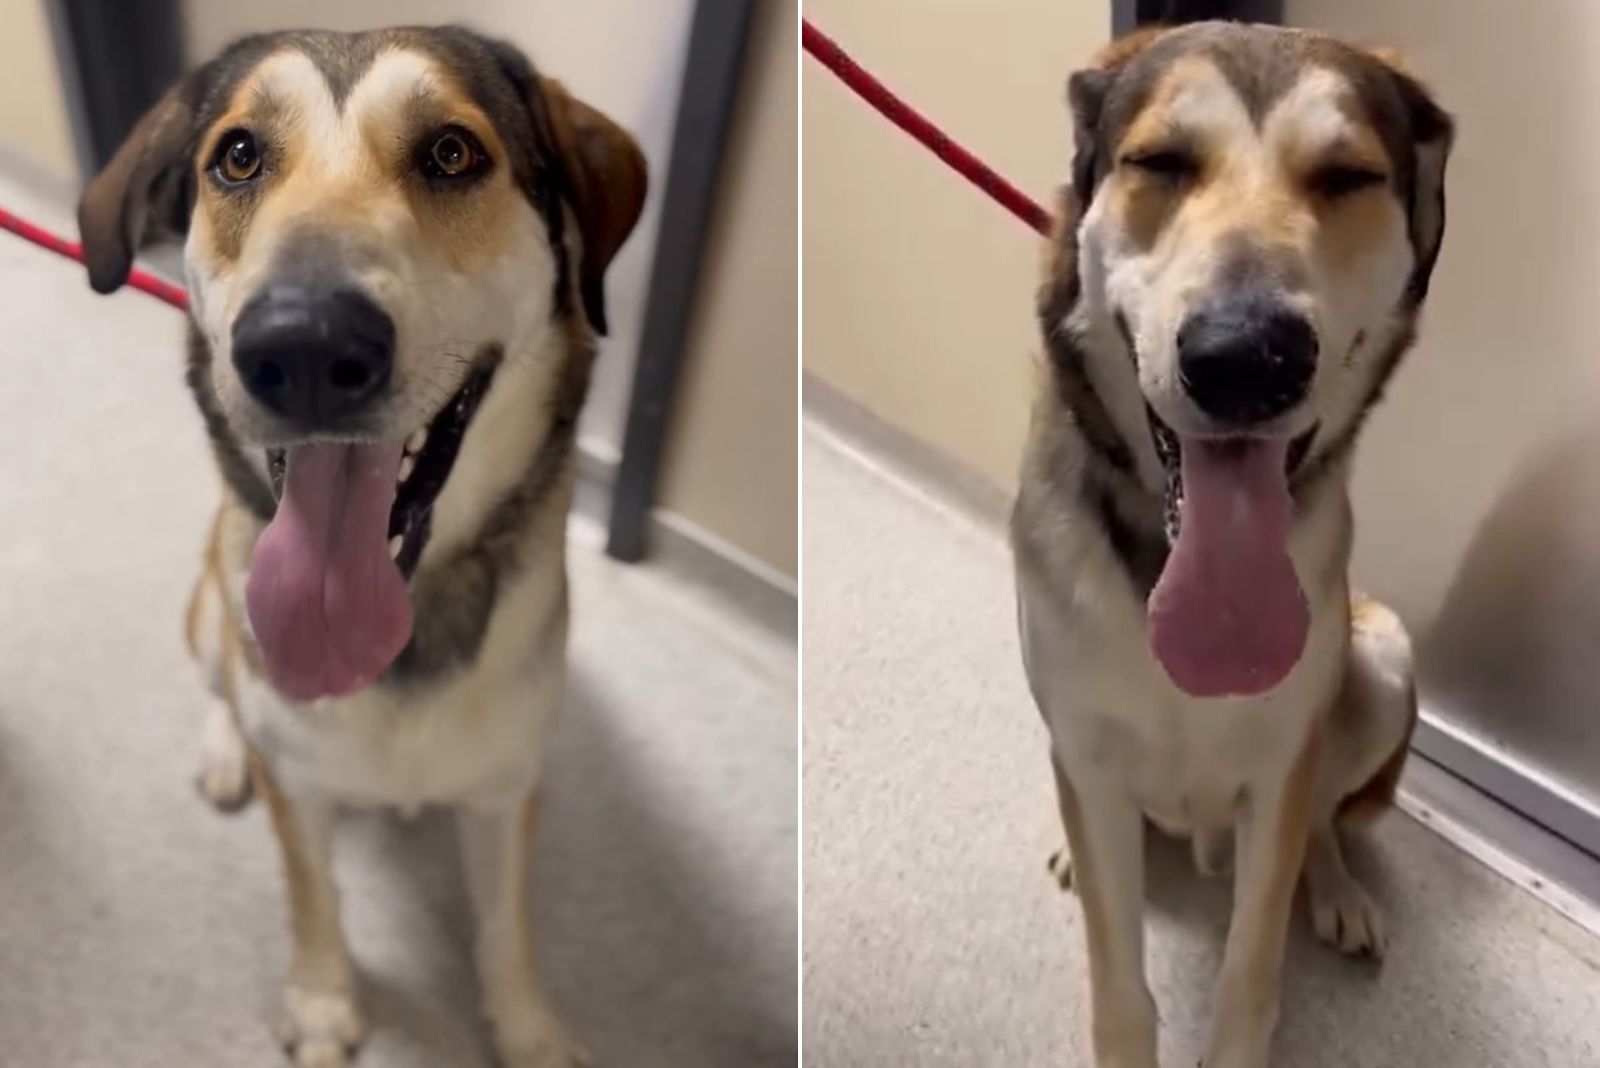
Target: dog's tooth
point(416, 441)
point(407, 463)
point(394, 546)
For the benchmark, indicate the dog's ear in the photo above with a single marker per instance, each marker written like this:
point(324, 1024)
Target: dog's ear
point(594, 165)
point(1431, 132)
point(1086, 93)
point(145, 193)
point(604, 178)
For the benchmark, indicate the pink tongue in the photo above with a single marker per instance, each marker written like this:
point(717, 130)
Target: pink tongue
point(329, 608)
point(1227, 615)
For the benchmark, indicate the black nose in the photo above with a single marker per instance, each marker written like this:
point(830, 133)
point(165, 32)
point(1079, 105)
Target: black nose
point(1244, 360)
point(313, 355)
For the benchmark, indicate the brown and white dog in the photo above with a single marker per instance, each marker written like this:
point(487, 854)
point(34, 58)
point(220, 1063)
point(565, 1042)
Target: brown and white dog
point(395, 250)
point(1241, 255)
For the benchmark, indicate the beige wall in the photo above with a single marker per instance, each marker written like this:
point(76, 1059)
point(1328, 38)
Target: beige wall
point(33, 114)
point(918, 289)
point(1509, 362)
point(732, 463)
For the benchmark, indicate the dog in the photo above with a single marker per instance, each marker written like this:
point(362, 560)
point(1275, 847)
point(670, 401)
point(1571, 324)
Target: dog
point(1238, 265)
point(395, 245)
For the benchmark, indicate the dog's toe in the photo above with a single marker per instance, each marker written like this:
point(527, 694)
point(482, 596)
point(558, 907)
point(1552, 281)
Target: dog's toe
point(1213, 854)
point(1060, 867)
point(1346, 918)
point(552, 1051)
point(320, 1029)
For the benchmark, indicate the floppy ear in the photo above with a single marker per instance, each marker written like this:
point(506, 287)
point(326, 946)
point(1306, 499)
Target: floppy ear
point(604, 179)
point(1086, 92)
point(1432, 133)
point(145, 193)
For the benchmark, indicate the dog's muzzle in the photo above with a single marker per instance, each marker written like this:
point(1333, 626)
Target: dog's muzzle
point(1246, 359)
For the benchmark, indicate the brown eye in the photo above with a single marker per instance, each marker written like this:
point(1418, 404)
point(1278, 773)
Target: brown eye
point(454, 154)
point(238, 159)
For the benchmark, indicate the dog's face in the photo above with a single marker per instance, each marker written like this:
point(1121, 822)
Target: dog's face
point(376, 223)
point(1262, 208)
point(366, 216)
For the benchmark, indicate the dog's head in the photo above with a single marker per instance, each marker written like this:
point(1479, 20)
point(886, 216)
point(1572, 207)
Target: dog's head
point(372, 222)
point(364, 214)
point(1253, 218)
point(1262, 212)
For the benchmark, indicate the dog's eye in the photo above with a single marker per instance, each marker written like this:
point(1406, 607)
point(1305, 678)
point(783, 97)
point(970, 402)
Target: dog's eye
point(238, 158)
point(1168, 163)
point(1338, 180)
point(453, 154)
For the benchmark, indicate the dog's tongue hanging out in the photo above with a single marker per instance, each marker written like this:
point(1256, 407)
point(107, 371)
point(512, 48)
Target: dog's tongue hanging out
point(328, 605)
point(1227, 615)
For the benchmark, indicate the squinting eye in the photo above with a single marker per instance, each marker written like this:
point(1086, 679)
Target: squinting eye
point(1337, 180)
point(454, 153)
point(1169, 164)
point(238, 158)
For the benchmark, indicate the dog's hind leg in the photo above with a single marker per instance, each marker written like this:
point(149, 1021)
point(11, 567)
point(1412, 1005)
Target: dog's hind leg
point(224, 776)
point(495, 841)
point(1369, 735)
point(1105, 833)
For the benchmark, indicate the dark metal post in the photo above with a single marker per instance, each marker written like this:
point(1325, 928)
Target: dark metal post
point(716, 50)
point(1129, 15)
point(123, 55)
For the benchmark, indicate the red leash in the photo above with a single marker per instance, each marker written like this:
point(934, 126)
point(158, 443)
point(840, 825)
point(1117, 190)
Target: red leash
point(140, 280)
point(903, 115)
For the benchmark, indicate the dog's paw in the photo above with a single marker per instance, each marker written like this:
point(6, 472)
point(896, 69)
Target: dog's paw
point(320, 1029)
point(549, 1051)
point(534, 1038)
point(1345, 918)
point(224, 780)
point(1060, 867)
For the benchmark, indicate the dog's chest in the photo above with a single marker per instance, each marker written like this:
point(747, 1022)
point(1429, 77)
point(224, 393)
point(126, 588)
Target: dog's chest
point(380, 749)
point(1187, 764)
point(1114, 714)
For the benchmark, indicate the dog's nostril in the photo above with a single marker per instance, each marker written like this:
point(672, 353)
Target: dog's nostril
point(349, 374)
point(268, 376)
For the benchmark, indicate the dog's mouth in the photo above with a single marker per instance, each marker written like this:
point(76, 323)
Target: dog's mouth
point(426, 460)
point(326, 594)
point(1169, 451)
point(1228, 616)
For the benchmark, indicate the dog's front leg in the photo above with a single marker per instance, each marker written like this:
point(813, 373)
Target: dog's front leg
point(1273, 829)
point(321, 1024)
point(1105, 833)
point(495, 840)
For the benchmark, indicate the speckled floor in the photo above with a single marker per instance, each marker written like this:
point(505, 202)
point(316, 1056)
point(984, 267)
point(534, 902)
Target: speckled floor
point(932, 935)
point(139, 929)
